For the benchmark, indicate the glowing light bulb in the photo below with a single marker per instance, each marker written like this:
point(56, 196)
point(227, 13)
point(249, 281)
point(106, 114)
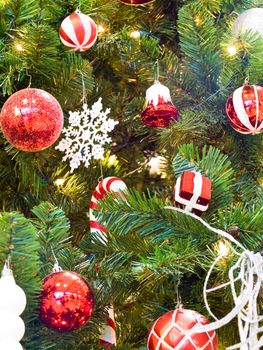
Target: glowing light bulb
point(198, 20)
point(156, 166)
point(101, 29)
point(59, 182)
point(232, 50)
point(223, 248)
point(135, 34)
point(112, 159)
point(19, 47)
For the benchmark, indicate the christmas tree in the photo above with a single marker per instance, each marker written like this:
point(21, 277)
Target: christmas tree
point(150, 259)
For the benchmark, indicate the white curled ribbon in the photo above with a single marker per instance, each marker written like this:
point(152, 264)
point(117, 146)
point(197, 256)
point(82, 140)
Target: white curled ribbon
point(248, 271)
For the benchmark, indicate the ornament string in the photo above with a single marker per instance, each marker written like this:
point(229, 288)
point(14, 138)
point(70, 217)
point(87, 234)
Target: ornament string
point(248, 272)
point(156, 70)
point(101, 173)
point(84, 94)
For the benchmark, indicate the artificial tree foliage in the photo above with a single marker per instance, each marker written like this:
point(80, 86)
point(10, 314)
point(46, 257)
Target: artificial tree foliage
point(154, 258)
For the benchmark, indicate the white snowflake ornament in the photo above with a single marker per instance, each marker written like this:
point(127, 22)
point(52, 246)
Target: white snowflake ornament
point(86, 135)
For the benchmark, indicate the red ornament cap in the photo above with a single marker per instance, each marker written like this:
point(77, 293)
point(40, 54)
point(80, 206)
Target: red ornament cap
point(245, 109)
point(160, 110)
point(66, 302)
point(171, 331)
point(31, 120)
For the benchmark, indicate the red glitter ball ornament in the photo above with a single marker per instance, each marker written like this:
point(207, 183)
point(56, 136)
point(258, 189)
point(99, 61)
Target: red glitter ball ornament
point(160, 110)
point(66, 302)
point(136, 2)
point(245, 109)
point(169, 332)
point(31, 120)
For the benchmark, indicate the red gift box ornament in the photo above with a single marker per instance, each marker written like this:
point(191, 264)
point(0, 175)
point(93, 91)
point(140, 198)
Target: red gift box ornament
point(160, 110)
point(193, 192)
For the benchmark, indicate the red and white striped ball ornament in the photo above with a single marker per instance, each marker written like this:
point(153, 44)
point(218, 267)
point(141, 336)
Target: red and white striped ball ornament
point(78, 32)
point(104, 187)
point(175, 330)
point(245, 109)
point(135, 2)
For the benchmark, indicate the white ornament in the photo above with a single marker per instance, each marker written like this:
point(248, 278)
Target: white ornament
point(86, 135)
point(11, 326)
point(245, 281)
point(8, 344)
point(12, 304)
point(12, 297)
point(251, 19)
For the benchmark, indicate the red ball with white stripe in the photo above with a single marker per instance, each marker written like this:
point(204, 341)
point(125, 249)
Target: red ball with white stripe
point(104, 187)
point(245, 109)
point(78, 32)
point(176, 330)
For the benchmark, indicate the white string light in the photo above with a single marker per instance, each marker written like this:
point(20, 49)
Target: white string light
point(135, 34)
point(232, 50)
point(248, 272)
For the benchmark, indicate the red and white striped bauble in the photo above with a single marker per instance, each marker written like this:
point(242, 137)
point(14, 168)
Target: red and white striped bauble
point(245, 109)
point(105, 186)
point(108, 335)
point(78, 32)
point(175, 330)
point(135, 2)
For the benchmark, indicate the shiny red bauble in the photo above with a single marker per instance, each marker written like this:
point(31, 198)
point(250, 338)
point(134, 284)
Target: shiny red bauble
point(31, 120)
point(245, 109)
point(169, 332)
point(135, 2)
point(160, 111)
point(66, 301)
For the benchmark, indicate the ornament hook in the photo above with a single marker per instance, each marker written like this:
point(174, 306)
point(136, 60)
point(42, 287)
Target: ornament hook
point(30, 78)
point(6, 269)
point(56, 267)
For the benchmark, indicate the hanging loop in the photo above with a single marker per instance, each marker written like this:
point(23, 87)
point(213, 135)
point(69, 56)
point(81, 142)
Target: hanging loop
point(156, 70)
point(84, 94)
point(56, 267)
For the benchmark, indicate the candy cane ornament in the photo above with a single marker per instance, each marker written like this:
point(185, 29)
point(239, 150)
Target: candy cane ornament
point(116, 186)
point(104, 187)
point(108, 335)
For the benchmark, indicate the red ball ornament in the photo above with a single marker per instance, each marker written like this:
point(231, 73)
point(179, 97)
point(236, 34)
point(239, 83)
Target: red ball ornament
point(136, 2)
point(169, 332)
point(245, 109)
point(66, 302)
point(160, 110)
point(31, 120)
point(78, 32)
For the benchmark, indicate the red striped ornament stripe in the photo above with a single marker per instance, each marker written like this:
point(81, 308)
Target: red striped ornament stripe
point(78, 32)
